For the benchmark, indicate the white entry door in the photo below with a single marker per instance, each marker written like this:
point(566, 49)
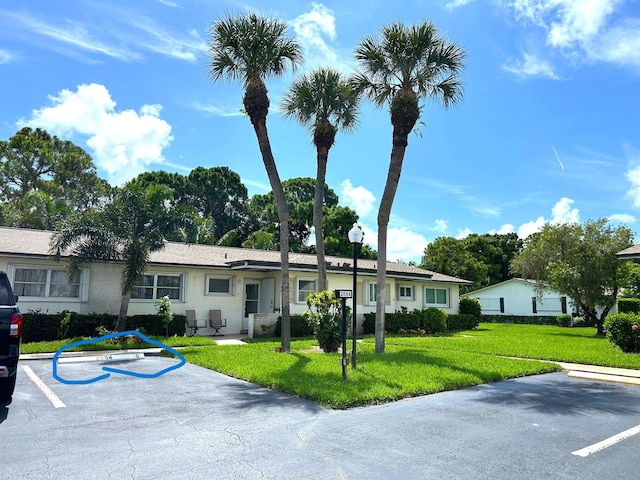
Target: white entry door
point(251, 300)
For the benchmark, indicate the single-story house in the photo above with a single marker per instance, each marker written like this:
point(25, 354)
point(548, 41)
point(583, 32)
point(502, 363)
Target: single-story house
point(629, 253)
point(517, 296)
point(244, 284)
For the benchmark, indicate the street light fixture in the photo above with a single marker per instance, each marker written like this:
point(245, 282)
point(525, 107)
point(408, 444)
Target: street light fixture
point(355, 237)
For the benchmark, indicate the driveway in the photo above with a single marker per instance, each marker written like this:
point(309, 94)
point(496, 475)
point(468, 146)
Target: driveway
point(192, 423)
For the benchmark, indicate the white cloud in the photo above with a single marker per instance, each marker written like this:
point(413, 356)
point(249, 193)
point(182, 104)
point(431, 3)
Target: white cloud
point(403, 244)
point(531, 227)
point(457, 4)
point(5, 56)
point(530, 66)
point(312, 30)
point(633, 175)
point(358, 198)
point(440, 226)
point(124, 143)
point(622, 218)
point(585, 30)
point(463, 233)
point(561, 213)
point(503, 230)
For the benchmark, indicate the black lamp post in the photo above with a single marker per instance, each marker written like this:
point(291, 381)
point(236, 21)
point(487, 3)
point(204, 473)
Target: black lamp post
point(355, 237)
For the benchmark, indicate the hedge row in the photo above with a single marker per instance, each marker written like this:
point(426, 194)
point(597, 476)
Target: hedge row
point(521, 319)
point(38, 327)
point(629, 305)
point(300, 327)
point(430, 320)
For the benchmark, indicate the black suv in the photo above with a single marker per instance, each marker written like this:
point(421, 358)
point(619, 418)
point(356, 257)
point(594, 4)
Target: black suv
point(10, 337)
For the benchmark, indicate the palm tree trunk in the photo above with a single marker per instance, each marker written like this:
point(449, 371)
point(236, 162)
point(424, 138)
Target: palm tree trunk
point(318, 203)
point(384, 212)
point(260, 127)
point(121, 324)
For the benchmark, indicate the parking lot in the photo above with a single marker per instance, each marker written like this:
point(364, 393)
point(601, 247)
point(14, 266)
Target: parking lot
point(195, 423)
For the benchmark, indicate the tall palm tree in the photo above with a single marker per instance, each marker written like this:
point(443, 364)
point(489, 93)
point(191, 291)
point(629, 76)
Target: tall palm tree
point(251, 48)
point(403, 66)
point(324, 101)
point(135, 223)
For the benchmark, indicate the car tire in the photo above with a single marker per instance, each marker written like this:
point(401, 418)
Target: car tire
point(7, 386)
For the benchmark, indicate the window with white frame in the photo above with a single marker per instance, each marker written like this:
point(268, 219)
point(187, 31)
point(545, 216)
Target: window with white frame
point(154, 287)
point(371, 293)
point(45, 282)
point(219, 285)
point(305, 286)
point(405, 292)
point(436, 296)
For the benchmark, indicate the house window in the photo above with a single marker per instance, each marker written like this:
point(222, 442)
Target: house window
point(371, 293)
point(45, 282)
point(405, 292)
point(305, 287)
point(217, 285)
point(153, 287)
point(436, 296)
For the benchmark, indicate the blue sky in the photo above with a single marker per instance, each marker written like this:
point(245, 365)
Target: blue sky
point(547, 131)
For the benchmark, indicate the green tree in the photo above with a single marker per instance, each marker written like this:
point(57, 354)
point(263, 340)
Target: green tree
point(61, 173)
point(325, 102)
point(578, 261)
point(403, 66)
point(250, 48)
point(127, 229)
point(450, 256)
point(216, 193)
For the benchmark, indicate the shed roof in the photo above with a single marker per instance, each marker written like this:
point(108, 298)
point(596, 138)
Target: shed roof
point(22, 242)
point(631, 252)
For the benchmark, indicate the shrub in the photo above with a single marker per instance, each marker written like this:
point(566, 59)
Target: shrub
point(434, 320)
point(299, 327)
point(622, 331)
point(461, 321)
point(325, 315)
point(564, 320)
point(369, 323)
point(629, 305)
point(39, 326)
point(470, 306)
point(579, 322)
point(521, 319)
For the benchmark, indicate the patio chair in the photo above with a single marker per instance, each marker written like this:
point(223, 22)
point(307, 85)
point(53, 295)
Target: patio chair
point(193, 323)
point(217, 322)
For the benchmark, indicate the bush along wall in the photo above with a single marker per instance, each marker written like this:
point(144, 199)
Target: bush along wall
point(623, 331)
point(629, 305)
point(521, 319)
point(38, 326)
point(427, 321)
point(300, 327)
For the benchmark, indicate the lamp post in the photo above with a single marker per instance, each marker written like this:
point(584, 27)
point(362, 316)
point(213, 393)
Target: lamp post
point(355, 237)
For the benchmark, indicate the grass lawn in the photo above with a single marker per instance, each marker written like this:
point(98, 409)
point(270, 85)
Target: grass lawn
point(411, 365)
point(54, 346)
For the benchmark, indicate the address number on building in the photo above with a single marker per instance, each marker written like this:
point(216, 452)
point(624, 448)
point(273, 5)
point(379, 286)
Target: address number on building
point(344, 294)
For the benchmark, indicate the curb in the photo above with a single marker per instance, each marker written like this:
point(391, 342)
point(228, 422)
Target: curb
point(604, 374)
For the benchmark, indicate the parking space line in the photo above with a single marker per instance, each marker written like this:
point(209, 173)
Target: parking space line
point(53, 398)
point(596, 447)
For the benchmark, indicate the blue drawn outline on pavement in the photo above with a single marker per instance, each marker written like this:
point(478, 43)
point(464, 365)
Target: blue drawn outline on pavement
point(111, 369)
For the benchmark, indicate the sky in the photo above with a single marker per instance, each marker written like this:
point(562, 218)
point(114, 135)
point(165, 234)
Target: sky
point(548, 129)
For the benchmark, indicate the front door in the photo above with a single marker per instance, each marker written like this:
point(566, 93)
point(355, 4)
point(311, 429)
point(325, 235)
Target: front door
point(251, 301)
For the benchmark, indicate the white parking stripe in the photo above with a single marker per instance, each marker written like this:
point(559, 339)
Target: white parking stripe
point(53, 398)
point(596, 447)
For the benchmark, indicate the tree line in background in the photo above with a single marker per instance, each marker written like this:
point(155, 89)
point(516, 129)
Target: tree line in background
point(45, 181)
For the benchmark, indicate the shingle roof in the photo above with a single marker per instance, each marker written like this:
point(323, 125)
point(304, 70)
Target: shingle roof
point(631, 252)
point(35, 243)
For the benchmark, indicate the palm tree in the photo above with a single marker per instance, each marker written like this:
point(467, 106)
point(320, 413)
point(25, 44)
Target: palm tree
point(405, 65)
point(325, 102)
point(127, 229)
point(251, 48)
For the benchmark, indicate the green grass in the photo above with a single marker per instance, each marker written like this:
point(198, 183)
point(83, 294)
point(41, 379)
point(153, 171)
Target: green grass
point(411, 365)
point(401, 372)
point(54, 346)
